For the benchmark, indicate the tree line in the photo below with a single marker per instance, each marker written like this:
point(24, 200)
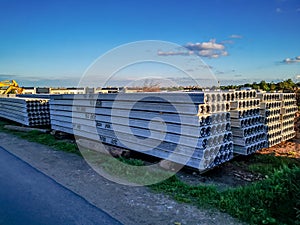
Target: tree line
point(285, 86)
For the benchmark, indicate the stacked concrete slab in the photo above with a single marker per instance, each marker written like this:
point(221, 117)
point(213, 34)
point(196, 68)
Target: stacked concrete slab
point(188, 128)
point(287, 115)
point(279, 110)
point(247, 124)
point(26, 111)
point(215, 110)
point(270, 108)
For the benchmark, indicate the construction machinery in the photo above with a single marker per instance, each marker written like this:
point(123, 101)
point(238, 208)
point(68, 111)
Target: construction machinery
point(10, 87)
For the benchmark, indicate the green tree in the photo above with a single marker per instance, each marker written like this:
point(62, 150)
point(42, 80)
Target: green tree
point(264, 85)
point(255, 85)
point(280, 86)
point(273, 87)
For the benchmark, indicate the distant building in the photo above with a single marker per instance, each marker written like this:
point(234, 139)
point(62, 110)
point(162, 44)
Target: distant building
point(72, 90)
point(192, 88)
point(88, 90)
point(29, 90)
point(107, 90)
point(133, 89)
point(42, 90)
point(245, 88)
point(62, 90)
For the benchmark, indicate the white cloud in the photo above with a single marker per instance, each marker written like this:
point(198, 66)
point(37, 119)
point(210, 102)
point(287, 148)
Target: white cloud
point(205, 45)
point(291, 60)
point(236, 36)
point(224, 53)
point(210, 49)
point(161, 53)
point(205, 53)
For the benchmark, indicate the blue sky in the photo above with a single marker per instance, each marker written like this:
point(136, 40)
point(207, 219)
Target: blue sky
point(53, 42)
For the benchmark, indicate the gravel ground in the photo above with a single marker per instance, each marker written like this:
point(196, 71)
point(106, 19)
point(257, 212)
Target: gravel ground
point(130, 205)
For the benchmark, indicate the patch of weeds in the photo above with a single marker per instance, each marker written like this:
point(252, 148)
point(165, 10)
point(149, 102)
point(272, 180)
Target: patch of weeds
point(275, 200)
point(129, 170)
point(266, 164)
point(133, 162)
point(261, 168)
point(42, 138)
point(271, 201)
point(133, 170)
point(200, 194)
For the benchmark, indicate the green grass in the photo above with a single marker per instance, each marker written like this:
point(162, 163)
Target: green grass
point(129, 170)
point(200, 195)
point(42, 138)
point(274, 200)
point(271, 201)
point(266, 164)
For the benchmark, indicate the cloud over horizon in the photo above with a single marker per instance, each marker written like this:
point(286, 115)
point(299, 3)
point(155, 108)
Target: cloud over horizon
point(291, 60)
point(210, 49)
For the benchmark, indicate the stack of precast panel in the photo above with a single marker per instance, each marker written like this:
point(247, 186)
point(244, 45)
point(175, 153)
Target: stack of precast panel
point(192, 129)
point(26, 111)
point(43, 96)
point(247, 124)
point(215, 118)
point(287, 116)
point(270, 108)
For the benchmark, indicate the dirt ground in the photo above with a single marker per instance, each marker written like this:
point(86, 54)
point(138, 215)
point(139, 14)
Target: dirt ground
point(232, 174)
point(139, 205)
point(130, 205)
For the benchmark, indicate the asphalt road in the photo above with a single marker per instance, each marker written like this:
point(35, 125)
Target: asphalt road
point(28, 196)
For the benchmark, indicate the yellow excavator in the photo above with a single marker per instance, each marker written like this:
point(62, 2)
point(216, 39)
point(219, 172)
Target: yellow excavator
point(10, 87)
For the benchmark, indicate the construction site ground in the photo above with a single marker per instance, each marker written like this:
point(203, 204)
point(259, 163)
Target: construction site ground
point(130, 205)
point(140, 205)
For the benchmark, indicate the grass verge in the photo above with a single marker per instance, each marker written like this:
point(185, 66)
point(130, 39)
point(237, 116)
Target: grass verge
point(42, 138)
point(274, 200)
point(125, 170)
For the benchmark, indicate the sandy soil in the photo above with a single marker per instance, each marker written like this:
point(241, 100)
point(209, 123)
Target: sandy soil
point(289, 148)
point(130, 205)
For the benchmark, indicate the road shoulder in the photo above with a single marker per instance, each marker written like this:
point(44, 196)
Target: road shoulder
point(129, 205)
